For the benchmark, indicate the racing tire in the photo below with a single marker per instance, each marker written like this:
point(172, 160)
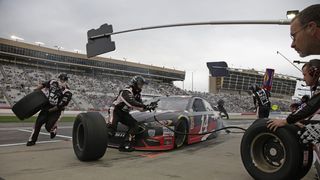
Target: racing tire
point(272, 155)
point(89, 136)
point(180, 139)
point(30, 104)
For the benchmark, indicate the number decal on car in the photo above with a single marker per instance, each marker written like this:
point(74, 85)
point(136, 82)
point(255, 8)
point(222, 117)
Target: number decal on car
point(204, 123)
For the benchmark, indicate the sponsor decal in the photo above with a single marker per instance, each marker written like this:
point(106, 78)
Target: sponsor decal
point(151, 132)
point(267, 79)
point(191, 122)
point(168, 132)
point(120, 134)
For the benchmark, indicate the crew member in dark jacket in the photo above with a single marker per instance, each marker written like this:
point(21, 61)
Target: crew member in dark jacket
point(311, 110)
point(127, 100)
point(59, 97)
point(222, 109)
point(261, 101)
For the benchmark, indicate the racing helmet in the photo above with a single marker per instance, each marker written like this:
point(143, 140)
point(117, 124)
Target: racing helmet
point(221, 102)
point(63, 77)
point(137, 82)
point(254, 87)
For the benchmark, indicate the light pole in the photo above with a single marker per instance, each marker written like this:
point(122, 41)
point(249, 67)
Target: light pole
point(58, 47)
point(102, 35)
point(192, 82)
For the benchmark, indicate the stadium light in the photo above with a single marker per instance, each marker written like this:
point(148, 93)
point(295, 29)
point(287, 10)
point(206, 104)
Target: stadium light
point(292, 13)
point(58, 47)
point(39, 43)
point(16, 38)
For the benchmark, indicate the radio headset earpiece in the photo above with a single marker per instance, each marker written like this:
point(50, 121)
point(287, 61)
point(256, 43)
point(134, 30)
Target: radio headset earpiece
point(314, 71)
point(311, 71)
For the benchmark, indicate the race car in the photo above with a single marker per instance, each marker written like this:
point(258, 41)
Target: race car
point(185, 114)
point(182, 114)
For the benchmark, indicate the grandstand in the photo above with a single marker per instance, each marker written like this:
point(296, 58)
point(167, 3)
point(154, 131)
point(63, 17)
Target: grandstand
point(96, 81)
point(239, 81)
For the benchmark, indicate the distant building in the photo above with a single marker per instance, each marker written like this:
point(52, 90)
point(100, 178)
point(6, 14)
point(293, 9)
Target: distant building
point(239, 80)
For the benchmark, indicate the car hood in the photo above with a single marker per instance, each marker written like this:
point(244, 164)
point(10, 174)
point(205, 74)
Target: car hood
point(143, 117)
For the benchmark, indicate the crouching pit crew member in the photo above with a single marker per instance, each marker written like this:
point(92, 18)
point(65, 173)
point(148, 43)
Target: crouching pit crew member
point(307, 116)
point(59, 97)
point(127, 100)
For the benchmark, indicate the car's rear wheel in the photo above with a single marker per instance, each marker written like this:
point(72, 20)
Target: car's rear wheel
point(180, 138)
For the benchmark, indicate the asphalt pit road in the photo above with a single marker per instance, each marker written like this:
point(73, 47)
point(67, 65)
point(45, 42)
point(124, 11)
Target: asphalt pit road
point(172, 176)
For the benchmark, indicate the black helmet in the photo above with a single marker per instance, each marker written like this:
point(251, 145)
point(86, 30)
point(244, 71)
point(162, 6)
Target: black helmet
point(254, 87)
point(221, 102)
point(137, 80)
point(63, 77)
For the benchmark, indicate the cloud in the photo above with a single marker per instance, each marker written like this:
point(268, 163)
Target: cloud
point(65, 23)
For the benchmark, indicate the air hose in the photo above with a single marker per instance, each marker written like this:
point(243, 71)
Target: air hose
point(205, 133)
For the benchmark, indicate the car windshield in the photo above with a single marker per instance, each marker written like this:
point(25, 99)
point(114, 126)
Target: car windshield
point(171, 103)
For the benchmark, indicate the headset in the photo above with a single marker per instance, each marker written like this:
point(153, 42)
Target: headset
point(314, 71)
point(314, 68)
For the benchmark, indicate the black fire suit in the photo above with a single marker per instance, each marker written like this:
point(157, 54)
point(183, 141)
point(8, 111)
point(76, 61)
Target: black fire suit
point(59, 98)
point(222, 109)
point(310, 116)
point(261, 97)
point(127, 100)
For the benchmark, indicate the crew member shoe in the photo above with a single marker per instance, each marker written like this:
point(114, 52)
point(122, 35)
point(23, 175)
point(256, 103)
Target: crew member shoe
point(53, 135)
point(30, 143)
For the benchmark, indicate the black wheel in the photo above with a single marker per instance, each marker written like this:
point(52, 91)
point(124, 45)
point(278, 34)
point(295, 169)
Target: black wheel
point(180, 139)
point(30, 105)
point(89, 136)
point(260, 119)
point(271, 155)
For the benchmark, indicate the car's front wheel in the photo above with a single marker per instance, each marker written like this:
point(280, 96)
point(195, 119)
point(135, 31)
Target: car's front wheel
point(181, 137)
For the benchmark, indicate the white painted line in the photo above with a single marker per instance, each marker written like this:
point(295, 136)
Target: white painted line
point(24, 130)
point(19, 144)
point(30, 127)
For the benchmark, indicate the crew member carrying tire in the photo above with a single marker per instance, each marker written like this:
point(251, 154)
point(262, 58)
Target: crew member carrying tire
point(127, 100)
point(59, 96)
